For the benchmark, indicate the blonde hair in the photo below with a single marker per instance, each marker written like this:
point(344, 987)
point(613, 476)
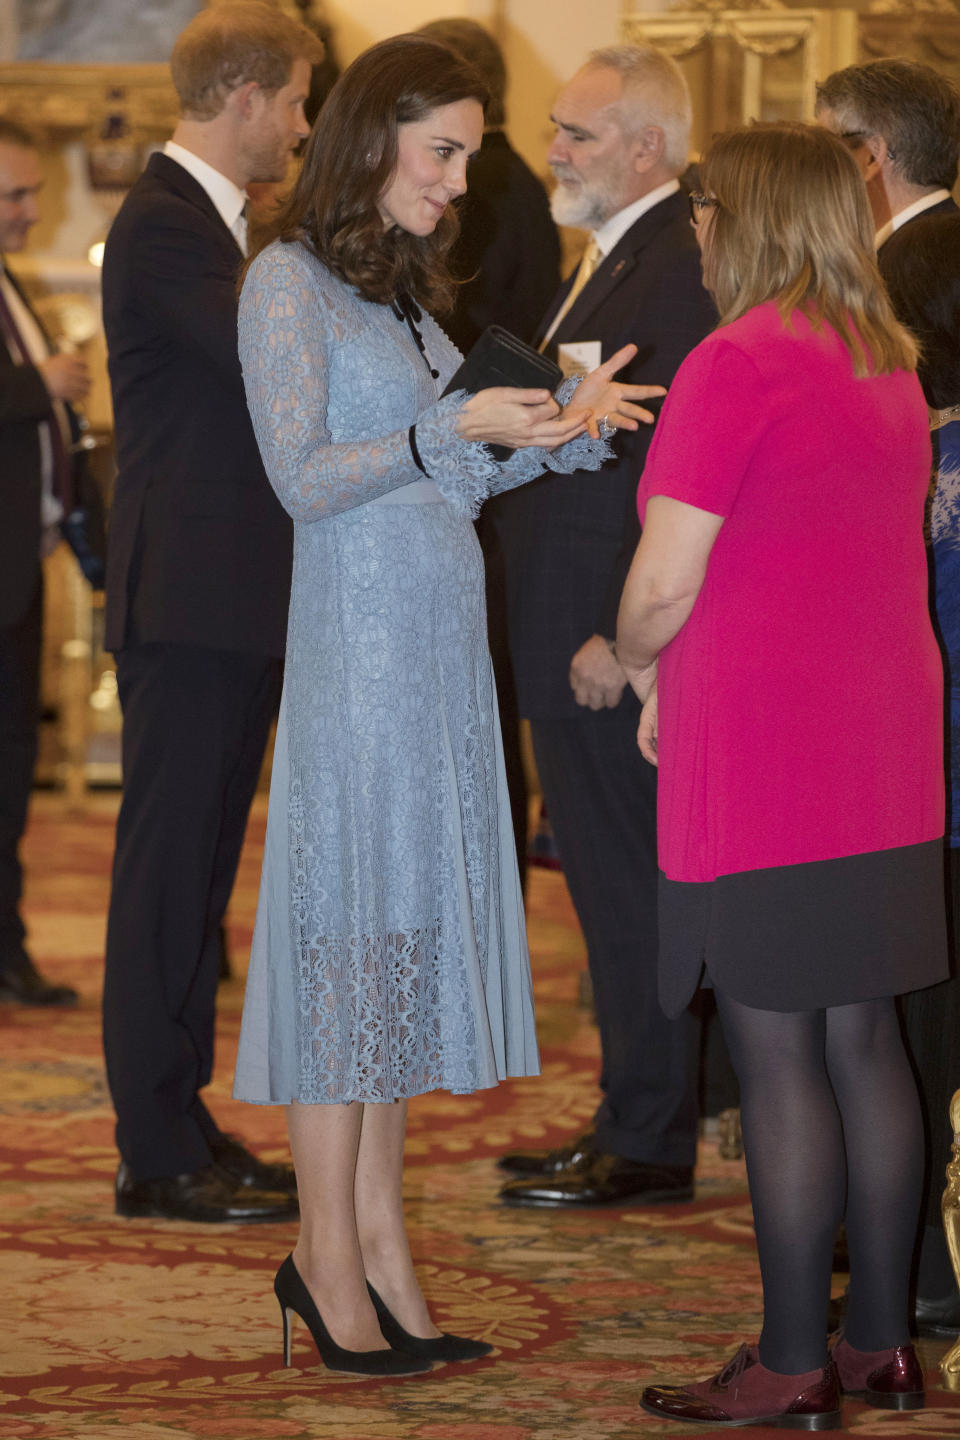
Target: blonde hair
point(792, 224)
point(229, 45)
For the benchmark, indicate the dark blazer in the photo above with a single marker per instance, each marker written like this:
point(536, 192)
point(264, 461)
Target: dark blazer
point(568, 540)
point(200, 548)
point(507, 255)
point(24, 402)
point(942, 207)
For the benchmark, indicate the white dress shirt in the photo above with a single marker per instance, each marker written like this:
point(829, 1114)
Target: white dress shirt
point(612, 231)
point(229, 200)
point(926, 202)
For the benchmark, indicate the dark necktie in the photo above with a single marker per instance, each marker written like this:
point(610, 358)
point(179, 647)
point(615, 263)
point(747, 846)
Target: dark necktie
point(62, 467)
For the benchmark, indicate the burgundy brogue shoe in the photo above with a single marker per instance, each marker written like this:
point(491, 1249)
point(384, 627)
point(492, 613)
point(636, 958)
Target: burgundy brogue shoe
point(889, 1379)
point(747, 1393)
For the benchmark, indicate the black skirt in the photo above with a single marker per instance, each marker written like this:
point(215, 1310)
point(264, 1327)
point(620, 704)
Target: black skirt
point(804, 937)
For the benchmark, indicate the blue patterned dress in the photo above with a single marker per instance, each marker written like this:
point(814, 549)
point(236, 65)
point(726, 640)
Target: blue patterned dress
point(945, 558)
point(389, 956)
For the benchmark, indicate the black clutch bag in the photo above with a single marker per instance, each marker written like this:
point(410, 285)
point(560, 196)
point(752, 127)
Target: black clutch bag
point(499, 358)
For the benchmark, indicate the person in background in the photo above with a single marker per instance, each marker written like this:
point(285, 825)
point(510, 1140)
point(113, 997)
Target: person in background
point(198, 581)
point(506, 261)
point(37, 426)
point(775, 625)
point(922, 270)
point(901, 122)
point(389, 957)
point(623, 130)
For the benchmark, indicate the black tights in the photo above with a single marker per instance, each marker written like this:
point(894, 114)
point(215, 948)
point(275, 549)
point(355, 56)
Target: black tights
point(830, 1114)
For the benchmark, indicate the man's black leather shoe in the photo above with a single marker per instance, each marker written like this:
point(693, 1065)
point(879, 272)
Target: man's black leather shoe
point(245, 1169)
point(22, 984)
point(577, 1153)
point(208, 1197)
point(938, 1319)
point(604, 1180)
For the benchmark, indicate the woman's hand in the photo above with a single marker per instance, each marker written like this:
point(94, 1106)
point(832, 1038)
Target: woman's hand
point(647, 729)
point(505, 415)
point(603, 398)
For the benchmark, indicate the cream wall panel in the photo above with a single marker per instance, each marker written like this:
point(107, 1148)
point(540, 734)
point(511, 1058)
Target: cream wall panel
point(544, 42)
point(362, 23)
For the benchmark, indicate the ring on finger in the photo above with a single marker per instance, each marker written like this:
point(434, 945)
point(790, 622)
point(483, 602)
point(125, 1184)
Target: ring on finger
point(605, 428)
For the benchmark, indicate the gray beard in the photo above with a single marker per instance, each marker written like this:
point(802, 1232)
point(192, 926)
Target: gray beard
point(584, 206)
point(579, 207)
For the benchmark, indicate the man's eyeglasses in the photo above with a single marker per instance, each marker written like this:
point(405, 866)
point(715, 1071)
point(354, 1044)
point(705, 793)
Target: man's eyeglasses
point(698, 203)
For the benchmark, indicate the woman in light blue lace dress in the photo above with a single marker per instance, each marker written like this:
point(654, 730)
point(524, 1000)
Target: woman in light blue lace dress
point(389, 956)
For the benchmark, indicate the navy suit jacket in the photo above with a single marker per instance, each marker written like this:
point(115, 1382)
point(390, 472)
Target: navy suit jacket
point(568, 540)
point(24, 402)
point(200, 549)
point(942, 207)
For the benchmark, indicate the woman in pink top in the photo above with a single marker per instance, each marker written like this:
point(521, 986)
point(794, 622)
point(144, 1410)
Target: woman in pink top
point(775, 622)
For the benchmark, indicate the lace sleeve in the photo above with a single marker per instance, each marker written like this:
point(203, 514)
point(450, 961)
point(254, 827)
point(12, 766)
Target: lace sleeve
point(464, 471)
point(290, 323)
point(579, 454)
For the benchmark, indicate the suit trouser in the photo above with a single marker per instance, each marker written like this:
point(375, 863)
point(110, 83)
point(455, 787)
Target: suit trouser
point(601, 801)
point(932, 1022)
point(19, 718)
point(195, 727)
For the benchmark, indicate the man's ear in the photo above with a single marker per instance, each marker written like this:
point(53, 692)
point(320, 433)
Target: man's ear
point(648, 149)
point(877, 156)
point(243, 100)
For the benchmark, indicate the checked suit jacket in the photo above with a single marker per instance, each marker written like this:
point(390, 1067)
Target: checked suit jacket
point(568, 540)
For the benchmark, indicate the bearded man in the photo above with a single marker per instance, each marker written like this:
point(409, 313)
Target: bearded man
point(623, 130)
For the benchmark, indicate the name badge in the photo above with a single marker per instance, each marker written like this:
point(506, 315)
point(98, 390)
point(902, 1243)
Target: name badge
point(578, 358)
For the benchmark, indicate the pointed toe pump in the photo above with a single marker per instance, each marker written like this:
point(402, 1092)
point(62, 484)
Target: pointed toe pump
point(295, 1299)
point(448, 1348)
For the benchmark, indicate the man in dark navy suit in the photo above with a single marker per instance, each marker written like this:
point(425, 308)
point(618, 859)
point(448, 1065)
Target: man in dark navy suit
point(900, 120)
point(197, 591)
point(623, 127)
point(36, 428)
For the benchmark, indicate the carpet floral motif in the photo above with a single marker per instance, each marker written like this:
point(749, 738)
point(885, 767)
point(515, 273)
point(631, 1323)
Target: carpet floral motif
point(142, 1330)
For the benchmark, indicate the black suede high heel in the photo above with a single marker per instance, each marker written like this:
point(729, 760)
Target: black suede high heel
point(295, 1298)
point(440, 1347)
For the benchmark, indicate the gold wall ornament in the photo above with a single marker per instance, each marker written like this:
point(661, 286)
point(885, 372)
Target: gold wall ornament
point(930, 35)
point(760, 61)
point(950, 1208)
point(913, 7)
point(53, 100)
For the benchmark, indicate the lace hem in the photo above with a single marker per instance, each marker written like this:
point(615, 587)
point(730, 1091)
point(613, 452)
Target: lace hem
point(581, 453)
point(464, 470)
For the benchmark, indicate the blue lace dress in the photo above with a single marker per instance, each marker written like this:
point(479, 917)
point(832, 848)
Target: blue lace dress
point(389, 956)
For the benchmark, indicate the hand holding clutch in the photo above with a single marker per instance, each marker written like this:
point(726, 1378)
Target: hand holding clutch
point(499, 361)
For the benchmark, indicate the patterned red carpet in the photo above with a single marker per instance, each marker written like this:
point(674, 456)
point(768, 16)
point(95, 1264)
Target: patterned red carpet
point(135, 1330)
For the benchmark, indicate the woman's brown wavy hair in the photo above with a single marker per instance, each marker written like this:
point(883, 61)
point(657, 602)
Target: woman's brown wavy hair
point(792, 225)
point(350, 159)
